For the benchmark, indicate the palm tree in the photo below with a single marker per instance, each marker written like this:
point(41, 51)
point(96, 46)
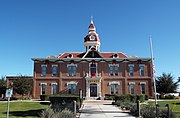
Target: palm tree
point(165, 83)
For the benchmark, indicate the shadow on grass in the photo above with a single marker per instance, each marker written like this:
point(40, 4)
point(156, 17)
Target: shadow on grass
point(30, 113)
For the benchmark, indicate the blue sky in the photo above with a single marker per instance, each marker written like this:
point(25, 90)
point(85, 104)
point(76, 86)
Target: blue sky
point(40, 28)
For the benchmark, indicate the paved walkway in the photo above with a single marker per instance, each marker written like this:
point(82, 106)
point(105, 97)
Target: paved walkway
point(101, 109)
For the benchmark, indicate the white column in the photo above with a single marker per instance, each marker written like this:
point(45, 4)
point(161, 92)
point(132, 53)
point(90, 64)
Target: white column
point(99, 89)
point(87, 89)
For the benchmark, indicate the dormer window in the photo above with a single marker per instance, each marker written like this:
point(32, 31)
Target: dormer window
point(70, 56)
point(115, 56)
point(92, 37)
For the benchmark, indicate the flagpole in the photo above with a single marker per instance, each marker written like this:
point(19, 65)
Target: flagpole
point(153, 74)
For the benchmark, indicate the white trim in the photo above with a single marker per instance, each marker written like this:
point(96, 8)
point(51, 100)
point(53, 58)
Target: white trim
point(141, 65)
point(131, 83)
point(43, 83)
point(53, 83)
point(113, 65)
point(90, 68)
point(55, 65)
point(143, 83)
point(43, 65)
point(72, 82)
point(114, 82)
point(131, 65)
point(72, 64)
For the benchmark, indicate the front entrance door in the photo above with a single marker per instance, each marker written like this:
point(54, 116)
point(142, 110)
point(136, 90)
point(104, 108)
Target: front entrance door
point(93, 90)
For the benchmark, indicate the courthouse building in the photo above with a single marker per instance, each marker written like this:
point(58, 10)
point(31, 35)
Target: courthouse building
point(96, 73)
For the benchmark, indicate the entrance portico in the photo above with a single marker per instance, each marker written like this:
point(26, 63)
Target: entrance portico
point(93, 86)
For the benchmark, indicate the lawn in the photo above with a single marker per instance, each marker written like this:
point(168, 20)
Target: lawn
point(174, 105)
point(22, 109)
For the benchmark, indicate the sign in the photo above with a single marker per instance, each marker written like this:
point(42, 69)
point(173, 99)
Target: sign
point(8, 93)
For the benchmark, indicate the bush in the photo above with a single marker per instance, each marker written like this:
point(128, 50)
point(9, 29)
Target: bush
point(164, 113)
point(109, 96)
point(127, 105)
point(148, 111)
point(130, 98)
point(50, 113)
point(133, 110)
point(44, 97)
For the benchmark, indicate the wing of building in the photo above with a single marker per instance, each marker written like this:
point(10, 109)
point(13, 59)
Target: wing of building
point(96, 73)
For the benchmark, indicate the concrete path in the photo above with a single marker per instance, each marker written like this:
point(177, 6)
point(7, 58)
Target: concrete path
point(101, 109)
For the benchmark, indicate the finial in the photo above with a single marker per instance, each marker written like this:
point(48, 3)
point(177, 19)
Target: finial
point(91, 19)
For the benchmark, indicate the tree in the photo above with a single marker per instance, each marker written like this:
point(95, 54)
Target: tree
point(2, 85)
point(22, 85)
point(165, 83)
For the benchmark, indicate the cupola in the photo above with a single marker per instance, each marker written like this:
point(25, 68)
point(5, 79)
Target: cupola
point(92, 38)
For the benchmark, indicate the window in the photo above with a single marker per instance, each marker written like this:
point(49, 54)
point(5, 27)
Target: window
point(43, 88)
point(131, 70)
point(53, 88)
point(93, 69)
point(72, 69)
point(131, 87)
point(43, 67)
point(114, 88)
point(54, 70)
point(71, 88)
point(143, 88)
point(141, 70)
point(113, 69)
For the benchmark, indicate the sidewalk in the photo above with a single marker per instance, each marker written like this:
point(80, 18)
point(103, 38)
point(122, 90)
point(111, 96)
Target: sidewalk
point(101, 109)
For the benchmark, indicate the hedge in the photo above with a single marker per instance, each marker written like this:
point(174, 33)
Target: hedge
point(130, 98)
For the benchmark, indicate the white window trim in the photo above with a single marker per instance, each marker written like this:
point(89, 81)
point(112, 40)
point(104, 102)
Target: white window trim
point(43, 83)
point(114, 65)
point(143, 83)
point(72, 82)
point(141, 87)
point(72, 64)
point(131, 83)
point(131, 65)
point(41, 86)
point(90, 68)
point(141, 65)
point(52, 87)
point(114, 82)
point(43, 65)
point(55, 65)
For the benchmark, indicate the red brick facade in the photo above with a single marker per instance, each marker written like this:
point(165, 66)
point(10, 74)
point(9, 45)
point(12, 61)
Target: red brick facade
point(95, 73)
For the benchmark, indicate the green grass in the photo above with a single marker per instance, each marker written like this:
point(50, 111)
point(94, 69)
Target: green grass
point(22, 109)
point(174, 105)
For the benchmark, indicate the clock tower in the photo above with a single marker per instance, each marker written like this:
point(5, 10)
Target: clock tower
point(92, 39)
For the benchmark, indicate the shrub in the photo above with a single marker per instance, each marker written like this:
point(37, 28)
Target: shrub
point(164, 114)
point(50, 113)
point(44, 97)
point(148, 111)
point(133, 110)
point(127, 105)
point(109, 96)
point(47, 113)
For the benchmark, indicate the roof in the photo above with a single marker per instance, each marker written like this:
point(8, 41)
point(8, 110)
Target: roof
point(103, 54)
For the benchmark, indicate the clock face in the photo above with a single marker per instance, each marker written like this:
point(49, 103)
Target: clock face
point(92, 37)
